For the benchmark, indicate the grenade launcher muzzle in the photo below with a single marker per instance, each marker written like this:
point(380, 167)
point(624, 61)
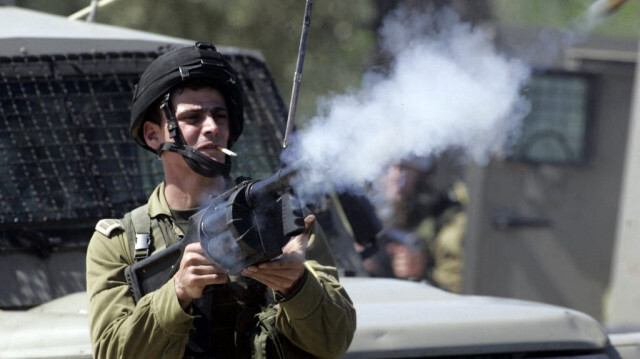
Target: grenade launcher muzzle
point(250, 223)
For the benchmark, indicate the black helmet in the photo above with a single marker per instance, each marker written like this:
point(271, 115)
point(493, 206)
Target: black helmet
point(201, 63)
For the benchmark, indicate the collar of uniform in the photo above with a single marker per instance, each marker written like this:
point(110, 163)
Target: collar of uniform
point(158, 207)
point(158, 202)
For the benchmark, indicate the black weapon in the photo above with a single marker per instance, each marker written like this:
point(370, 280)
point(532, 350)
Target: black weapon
point(246, 225)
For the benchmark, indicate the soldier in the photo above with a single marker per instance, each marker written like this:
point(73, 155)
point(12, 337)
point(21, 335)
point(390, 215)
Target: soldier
point(424, 226)
point(187, 108)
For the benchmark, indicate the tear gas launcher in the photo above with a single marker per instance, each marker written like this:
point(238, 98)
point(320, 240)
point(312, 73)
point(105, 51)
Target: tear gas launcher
point(246, 225)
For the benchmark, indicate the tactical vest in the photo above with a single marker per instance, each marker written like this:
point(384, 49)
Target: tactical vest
point(235, 320)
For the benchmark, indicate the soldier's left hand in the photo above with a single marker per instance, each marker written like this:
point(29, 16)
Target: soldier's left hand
point(282, 273)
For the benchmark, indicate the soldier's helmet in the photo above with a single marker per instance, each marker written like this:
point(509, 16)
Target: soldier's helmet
point(201, 64)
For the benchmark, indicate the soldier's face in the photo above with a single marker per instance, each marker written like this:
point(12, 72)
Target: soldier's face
point(203, 119)
point(399, 181)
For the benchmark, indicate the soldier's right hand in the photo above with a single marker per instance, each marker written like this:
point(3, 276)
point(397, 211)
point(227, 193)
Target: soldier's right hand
point(195, 273)
point(407, 262)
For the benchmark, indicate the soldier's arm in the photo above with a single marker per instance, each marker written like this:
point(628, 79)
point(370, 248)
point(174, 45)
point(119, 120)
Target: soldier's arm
point(155, 327)
point(319, 318)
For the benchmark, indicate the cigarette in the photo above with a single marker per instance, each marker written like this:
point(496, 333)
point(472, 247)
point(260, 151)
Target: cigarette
point(226, 151)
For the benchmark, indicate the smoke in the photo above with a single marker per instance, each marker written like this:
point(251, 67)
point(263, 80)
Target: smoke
point(447, 87)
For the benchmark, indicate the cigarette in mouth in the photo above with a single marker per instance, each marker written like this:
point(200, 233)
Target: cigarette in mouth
point(226, 151)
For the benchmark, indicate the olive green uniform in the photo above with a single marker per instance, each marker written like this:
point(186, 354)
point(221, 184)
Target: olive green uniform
point(319, 318)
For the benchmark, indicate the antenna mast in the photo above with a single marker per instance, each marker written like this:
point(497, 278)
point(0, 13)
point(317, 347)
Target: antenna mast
point(297, 76)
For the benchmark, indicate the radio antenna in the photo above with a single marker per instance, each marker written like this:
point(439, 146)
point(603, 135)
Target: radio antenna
point(297, 76)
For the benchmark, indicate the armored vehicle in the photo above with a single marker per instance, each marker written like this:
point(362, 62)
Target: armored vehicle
point(67, 161)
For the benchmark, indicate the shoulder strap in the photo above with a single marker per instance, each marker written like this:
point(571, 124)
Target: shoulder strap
point(141, 230)
point(106, 226)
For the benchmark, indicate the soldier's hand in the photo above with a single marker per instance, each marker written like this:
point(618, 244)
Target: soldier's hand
point(406, 262)
point(283, 273)
point(195, 273)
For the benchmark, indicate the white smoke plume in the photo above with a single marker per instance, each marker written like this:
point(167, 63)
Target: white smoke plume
point(445, 88)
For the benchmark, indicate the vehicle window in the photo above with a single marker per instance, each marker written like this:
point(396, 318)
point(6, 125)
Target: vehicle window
point(557, 128)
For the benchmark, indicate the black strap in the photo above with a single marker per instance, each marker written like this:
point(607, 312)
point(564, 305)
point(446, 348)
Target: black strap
point(198, 161)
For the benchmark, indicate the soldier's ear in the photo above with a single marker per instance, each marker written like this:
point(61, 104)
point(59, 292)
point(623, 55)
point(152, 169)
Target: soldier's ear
point(153, 134)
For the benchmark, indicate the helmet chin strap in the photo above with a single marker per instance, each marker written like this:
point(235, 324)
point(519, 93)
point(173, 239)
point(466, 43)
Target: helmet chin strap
point(199, 162)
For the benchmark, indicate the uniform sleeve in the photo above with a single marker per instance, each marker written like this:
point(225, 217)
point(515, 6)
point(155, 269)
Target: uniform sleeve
point(155, 327)
point(320, 318)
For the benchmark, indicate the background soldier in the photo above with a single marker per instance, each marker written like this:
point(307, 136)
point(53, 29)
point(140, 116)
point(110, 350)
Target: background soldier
point(424, 226)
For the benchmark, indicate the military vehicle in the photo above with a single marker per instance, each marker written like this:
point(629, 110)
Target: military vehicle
point(67, 161)
point(546, 222)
